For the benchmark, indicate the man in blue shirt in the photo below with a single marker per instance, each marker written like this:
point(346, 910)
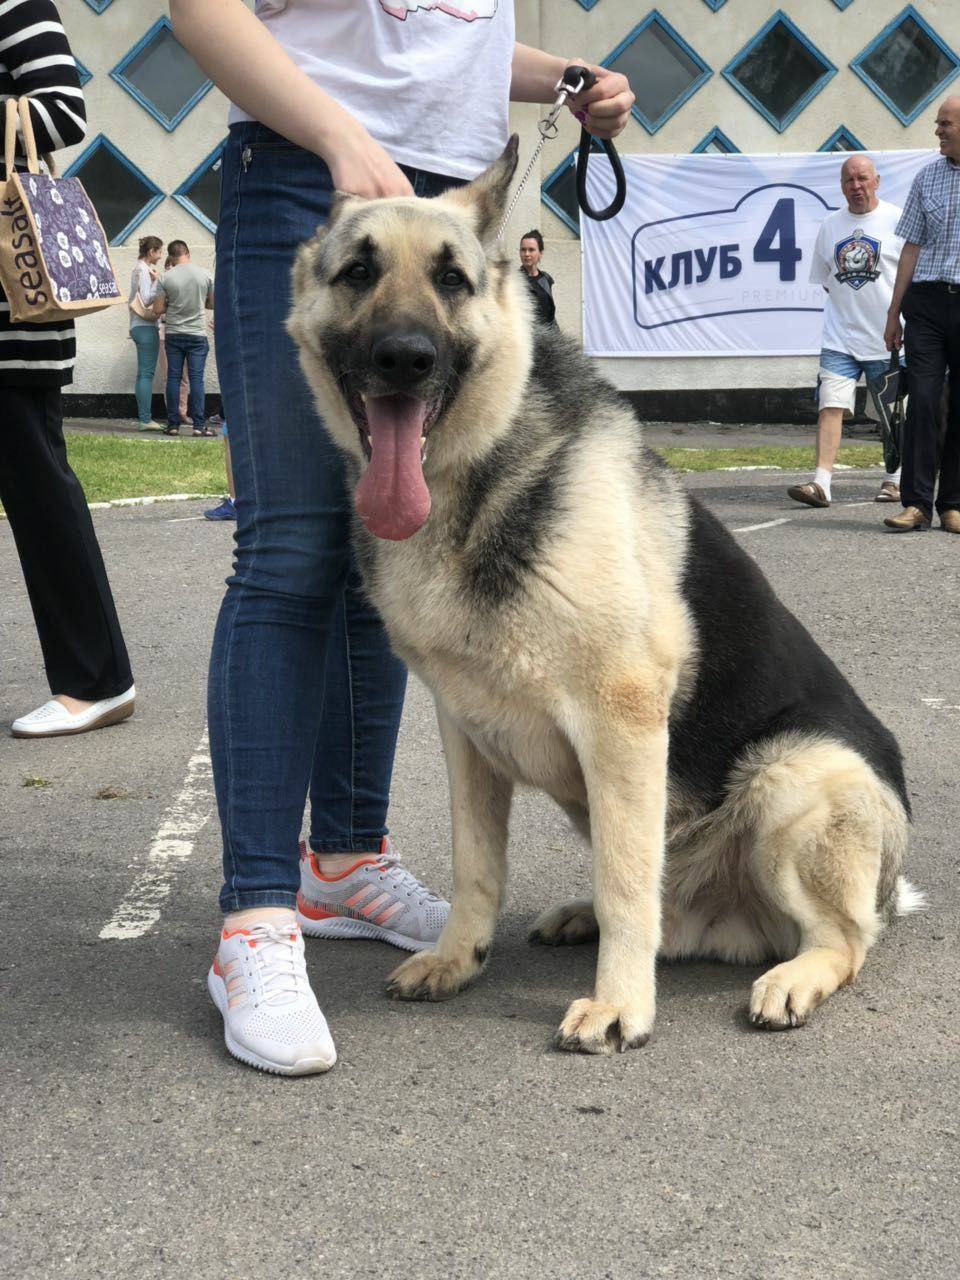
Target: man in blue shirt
point(927, 294)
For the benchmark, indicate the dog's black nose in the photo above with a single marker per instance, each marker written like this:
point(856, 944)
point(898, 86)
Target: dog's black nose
point(404, 359)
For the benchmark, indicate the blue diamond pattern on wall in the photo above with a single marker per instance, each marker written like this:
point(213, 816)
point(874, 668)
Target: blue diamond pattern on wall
point(162, 76)
point(200, 193)
point(780, 71)
point(121, 194)
point(559, 192)
point(842, 140)
point(907, 65)
point(716, 142)
point(662, 68)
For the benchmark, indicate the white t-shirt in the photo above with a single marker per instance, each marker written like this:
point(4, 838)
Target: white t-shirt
point(855, 259)
point(428, 79)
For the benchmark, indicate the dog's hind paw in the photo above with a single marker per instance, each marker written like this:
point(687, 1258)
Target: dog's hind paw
point(594, 1027)
point(566, 925)
point(430, 976)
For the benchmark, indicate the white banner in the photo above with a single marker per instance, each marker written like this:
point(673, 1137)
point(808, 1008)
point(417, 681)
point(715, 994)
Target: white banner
point(710, 255)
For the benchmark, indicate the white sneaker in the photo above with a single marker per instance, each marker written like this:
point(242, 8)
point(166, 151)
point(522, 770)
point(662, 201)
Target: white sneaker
point(375, 898)
point(53, 719)
point(271, 1019)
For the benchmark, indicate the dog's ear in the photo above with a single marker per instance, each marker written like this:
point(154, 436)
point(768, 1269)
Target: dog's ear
point(342, 201)
point(486, 196)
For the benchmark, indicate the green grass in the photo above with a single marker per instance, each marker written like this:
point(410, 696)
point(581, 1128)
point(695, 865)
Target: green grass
point(787, 459)
point(109, 467)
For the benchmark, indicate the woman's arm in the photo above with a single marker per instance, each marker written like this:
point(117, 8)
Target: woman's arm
point(243, 60)
point(146, 283)
point(606, 106)
point(38, 57)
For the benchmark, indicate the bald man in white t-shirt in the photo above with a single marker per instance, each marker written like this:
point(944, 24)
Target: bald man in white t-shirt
point(855, 260)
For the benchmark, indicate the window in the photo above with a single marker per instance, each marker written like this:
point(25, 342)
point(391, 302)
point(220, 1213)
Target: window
point(779, 72)
point(162, 76)
point(907, 65)
point(99, 5)
point(559, 192)
point(121, 194)
point(842, 140)
point(717, 142)
point(200, 194)
point(587, 4)
point(841, 4)
point(82, 72)
point(715, 4)
point(662, 69)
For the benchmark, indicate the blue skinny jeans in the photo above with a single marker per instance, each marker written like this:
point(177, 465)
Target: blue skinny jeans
point(304, 694)
point(147, 340)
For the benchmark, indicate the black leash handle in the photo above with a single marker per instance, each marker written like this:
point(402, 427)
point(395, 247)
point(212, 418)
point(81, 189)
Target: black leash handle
point(578, 79)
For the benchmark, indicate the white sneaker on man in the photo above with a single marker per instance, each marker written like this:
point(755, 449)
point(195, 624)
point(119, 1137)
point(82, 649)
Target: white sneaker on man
point(271, 1019)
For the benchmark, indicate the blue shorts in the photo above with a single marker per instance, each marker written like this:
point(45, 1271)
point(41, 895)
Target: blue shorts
point(838, 376)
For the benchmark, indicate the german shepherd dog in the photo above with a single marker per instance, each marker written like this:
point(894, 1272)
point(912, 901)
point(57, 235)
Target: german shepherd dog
point(588, 628)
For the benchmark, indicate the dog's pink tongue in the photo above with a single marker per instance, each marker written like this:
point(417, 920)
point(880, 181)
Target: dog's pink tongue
point(392, 498)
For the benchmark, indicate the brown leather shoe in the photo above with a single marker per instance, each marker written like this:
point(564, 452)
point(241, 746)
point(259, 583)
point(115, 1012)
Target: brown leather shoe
point(810, 493)
point(950, 520)
point(909, 518)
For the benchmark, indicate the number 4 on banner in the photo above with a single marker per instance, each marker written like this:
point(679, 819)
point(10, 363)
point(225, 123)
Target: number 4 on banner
point(781, 223)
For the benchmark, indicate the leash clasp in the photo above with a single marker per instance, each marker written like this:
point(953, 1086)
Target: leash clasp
point(573, 81)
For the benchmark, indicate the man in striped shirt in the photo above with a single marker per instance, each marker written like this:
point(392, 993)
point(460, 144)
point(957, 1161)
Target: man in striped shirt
point(83, 649)
point(927, 294)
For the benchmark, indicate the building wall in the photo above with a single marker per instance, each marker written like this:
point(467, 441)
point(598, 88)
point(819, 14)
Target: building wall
point(100, 41)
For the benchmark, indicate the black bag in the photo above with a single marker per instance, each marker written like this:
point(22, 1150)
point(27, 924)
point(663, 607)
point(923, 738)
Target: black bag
point(888, 394)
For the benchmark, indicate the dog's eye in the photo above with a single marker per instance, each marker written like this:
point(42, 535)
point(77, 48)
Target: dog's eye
point(357, 271)
point(452, 278)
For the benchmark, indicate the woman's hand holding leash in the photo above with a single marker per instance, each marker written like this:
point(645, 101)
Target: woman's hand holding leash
point(604, 108)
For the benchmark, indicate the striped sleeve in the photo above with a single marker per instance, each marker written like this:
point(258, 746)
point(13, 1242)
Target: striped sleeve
point(35, 53)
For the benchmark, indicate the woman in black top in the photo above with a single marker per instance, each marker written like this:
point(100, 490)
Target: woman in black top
point(83, 650)
point(539, 282)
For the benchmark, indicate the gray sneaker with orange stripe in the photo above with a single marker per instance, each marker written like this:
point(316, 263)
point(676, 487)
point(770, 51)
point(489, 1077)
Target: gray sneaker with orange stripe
point(375, 898)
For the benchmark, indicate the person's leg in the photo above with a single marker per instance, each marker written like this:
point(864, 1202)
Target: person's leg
point(228, 465)
point(836, 392)
point(176, 359)
point(293, 554)
point(926, 348)
point(184, 395)
point(147, 342)
point(829, 431)
point(948, 493)
point(196, 364)
point(83, 649)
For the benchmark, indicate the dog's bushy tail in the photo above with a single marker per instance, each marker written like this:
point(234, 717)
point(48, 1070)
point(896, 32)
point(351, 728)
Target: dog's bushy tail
point(907, 898)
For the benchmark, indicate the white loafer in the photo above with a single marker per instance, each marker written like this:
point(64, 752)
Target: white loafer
point(53, 718)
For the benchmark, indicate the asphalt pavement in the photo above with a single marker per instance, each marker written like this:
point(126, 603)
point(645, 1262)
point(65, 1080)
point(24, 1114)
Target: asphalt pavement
point(451, 1140)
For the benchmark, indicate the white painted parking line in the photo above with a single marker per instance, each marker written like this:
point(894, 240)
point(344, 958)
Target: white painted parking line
point(173, 844)
point(768, 524)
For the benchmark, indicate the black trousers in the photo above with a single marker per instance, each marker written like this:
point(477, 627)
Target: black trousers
point(932, 340)
point(83, 649)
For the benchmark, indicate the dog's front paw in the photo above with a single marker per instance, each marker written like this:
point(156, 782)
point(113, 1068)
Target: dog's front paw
point(778, 1003)
point(591, 1026)
point(566, 925)
point(430, 976)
